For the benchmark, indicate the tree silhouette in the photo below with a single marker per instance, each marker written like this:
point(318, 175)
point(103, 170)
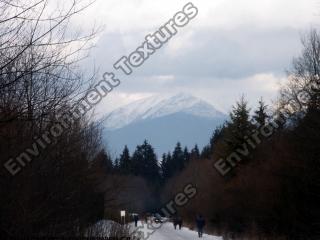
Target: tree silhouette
point(260, 115)
point(144, 162)
point(195, 153)
point(125, 161)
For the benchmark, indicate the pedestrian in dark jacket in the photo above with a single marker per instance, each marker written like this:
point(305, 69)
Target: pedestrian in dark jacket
point(136, 218)
point(200, 224)
point(179, 222)
point(175, 222)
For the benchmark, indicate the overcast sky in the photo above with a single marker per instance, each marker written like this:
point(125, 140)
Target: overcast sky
point(232, 47)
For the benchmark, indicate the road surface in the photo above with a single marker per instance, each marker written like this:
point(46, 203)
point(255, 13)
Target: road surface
point(167, 232)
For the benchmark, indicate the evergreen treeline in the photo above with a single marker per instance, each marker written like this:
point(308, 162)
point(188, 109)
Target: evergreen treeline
point(144, 162)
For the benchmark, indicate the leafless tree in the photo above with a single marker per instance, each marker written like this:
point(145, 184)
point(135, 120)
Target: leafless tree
point(303, 90)
point(40, 78)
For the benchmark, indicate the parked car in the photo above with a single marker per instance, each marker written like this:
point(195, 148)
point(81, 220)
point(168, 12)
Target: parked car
point(157, 218)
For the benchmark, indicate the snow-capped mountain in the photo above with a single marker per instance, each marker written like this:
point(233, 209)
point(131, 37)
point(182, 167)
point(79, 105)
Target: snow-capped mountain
point(163, 121)
point(159, 106)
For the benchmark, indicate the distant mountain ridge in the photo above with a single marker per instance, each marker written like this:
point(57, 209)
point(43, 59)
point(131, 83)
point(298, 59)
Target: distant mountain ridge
point(159, 106)
point(162, 120)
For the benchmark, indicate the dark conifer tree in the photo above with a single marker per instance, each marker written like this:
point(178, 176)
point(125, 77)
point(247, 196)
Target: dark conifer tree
point(260, 116)
point(165, 167)
point(195, 153)
point(125, 161)
point(206, 152)
point(217, 134)
point(178, 158)
point(144, 162)
point(116, 165)
point(169, 167)
point(186, 156)
point(239, 125)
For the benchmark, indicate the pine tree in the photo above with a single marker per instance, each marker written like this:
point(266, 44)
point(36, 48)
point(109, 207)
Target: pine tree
point(163, 164)
point(239, 125)
point(170, 167)
point(144, 162)
point(206, 152)
point(186, 156)
point(116, 165)
point(237, 128)
point(165, 167)
point(125, 161)
point(260, 115)
point(178, 158)
point(217, 134)
point(195, 153)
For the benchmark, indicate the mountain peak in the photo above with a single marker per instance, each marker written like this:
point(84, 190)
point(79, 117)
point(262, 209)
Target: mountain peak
point(158, 106)
point(183, 95)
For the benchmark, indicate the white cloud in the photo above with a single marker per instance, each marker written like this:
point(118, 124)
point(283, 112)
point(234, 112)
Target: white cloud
point(230, 48)
point(162, 79)
point(128, 15)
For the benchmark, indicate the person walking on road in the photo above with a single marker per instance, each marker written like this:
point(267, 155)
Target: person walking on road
point(175, 222)
point(135, 218)
point(179, 222)
point(200, 224)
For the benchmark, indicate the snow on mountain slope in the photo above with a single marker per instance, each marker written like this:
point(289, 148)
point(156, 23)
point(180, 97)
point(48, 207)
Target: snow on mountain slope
point(159, 106)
